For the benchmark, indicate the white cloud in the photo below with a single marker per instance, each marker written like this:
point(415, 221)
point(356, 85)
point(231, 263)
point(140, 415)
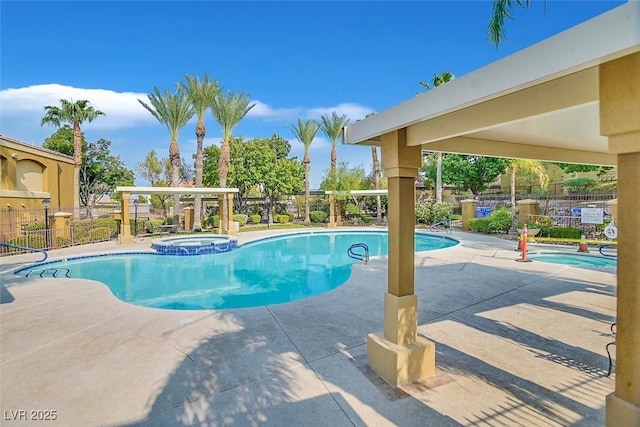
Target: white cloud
point(352, 111)
point(122, 109)
point(265, 111)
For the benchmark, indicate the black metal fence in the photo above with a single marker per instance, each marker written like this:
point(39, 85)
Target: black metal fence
point(50, 228)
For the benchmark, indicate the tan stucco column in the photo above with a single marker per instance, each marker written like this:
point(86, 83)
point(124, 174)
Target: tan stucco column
point(468, 212)
point(399, 355)
point(332, 211)
point(125, 236)
point(62, 225)
point(188, 218)
point(620, 122)
point(231, 228)
point(526, 208)
point(221, 215)
point(613, 205)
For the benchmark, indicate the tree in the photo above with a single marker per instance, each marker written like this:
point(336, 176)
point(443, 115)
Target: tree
point(376, 180)
point(572, 167)
point(533, 166)
point(228, 111)
point(173, 110)
point(502, 9)
point(473, 173)
point(153, 170)
point(438, 79)
point(62, 141)
point(201, 95)
point(332, 127)
point(101, 173)
point(74, 113)
point(305, 132)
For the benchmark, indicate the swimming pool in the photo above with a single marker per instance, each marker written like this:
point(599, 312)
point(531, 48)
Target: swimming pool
point(267, 271)
point(577, 260)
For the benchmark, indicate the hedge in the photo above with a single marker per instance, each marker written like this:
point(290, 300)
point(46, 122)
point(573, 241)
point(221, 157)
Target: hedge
point(318, 216)
point(241, 218)
point(255, 219)
point(565, 232)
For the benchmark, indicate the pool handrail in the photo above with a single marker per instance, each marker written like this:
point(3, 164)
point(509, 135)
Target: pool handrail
point(360, 257)
point(24, 248)
point(601, 247)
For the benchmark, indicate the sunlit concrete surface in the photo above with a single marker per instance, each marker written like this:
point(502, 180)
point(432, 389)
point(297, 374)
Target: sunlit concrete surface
point(516, 344)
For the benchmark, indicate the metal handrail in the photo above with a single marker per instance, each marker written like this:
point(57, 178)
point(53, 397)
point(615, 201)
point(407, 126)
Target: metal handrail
point(24, 248)
point(603, 254)
point(360, 257)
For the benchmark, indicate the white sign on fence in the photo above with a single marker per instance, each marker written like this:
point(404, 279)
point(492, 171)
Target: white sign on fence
point(592, 216)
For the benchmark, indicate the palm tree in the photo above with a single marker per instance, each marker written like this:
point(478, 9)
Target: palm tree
point(438, 80)
point(531, 166)
point(332, 127)
point(305, 132)
point(228, 111)
point(74, 113)
point(376, 178)
point(201, 95)
point(173, 110)
point(501, 10)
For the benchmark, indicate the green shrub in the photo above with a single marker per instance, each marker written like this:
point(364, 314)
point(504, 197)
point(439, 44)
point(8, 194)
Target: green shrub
point(168, 221)
point(500, 220)
point(241, 218)
point(429, 212)
point(352, 210)
point(480, 225)
point(318, 216)
point(35, 241)
point(565, 232)
point(292, 216)
point(35, 226)
point(213, 221)
point(281, 218)
point(100, 233)
point(62, 242)
point(153, 225)
point(255, 219)
point(367, 219)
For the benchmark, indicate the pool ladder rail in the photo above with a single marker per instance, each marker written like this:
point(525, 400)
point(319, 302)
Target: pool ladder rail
point(603, 247)
point(53, 271)
point(359, 256)
point(25, 248)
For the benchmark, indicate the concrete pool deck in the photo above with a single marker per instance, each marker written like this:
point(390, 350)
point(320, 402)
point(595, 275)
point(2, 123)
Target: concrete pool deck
point(516, 344)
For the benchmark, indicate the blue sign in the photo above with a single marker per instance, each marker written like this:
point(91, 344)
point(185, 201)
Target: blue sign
point(576, 211)
point(483, 211)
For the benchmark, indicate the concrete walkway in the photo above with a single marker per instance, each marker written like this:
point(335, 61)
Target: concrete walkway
point(517, 344)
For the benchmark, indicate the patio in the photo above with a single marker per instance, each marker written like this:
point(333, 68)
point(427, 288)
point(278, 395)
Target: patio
point(516, 344)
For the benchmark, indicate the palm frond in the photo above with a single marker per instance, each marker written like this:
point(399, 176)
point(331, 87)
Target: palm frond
point(173, 110)
point(228, 110)
point(200, 93)
point(332, 126)
point(305, 132)
point(502, 9)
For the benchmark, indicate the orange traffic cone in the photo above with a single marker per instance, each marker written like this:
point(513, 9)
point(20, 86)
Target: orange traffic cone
point(583, 245)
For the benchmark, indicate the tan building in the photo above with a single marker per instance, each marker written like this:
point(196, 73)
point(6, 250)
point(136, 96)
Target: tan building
point(28, 175)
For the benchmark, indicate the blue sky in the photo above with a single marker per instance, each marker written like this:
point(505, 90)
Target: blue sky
point(296, 59)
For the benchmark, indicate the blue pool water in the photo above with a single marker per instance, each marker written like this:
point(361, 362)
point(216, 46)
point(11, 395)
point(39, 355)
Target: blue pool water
point(577, 260)
point(268, 271)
